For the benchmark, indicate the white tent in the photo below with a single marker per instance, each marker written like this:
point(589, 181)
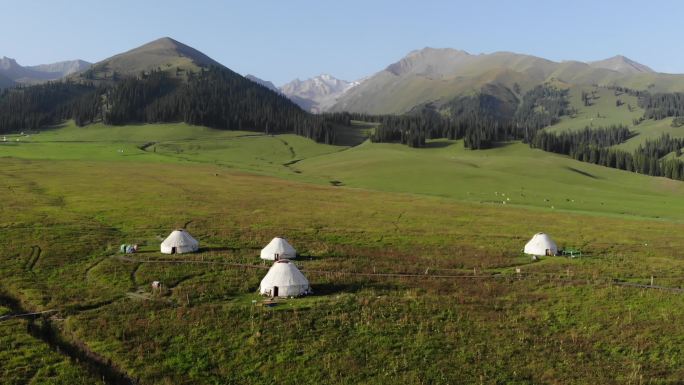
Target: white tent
point(541, 244)
point(284, 280)
point(277, 249)
point(178, 242)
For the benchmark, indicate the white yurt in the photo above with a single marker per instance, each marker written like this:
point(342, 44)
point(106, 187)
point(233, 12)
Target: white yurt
point(284, 280)
point(277, 249)
point(541, 244)
point(179, 242)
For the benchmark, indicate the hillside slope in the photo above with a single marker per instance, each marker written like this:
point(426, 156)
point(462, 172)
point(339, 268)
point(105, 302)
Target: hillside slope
point(263, 82)
point(165, 53)
point(438, 75)
point(6, 82)
point(512, 173)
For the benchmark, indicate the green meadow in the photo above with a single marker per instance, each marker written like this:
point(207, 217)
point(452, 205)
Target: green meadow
point(414, 256)
point(603, 112)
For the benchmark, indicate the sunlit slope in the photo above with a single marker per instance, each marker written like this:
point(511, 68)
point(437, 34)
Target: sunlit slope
point(603, 111)
point(174, 142)
point(165, 53)
point(512, 174)
point(439, 75)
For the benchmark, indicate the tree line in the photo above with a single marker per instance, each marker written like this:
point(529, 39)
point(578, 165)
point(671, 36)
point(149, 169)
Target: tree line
point(480, 120)
point(593, 145)
point(214, 97)
point(30, 107)
point(662, 105)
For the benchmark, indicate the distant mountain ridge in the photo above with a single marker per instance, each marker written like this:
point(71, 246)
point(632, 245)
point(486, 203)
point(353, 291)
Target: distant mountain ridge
point(319, 93)
point(63, 68)
point(9, 68)
point(428, 75)
point(437, 75)
point(621, 64)
point(315, 95)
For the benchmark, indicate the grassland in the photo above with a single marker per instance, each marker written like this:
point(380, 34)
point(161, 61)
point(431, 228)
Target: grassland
point(511, 174)
point(70, 196)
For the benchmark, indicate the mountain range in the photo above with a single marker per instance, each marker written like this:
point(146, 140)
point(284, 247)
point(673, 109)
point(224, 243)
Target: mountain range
point(428, 75)
point(439, 75)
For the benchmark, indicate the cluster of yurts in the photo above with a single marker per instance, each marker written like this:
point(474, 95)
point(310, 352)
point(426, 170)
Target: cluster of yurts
point(283, 278)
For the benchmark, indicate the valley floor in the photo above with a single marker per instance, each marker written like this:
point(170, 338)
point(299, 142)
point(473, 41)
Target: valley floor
point(412, 255)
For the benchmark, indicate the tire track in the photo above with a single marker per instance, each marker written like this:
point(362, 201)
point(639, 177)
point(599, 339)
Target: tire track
point(86, 273)
point(33, 257)
point(40, 327)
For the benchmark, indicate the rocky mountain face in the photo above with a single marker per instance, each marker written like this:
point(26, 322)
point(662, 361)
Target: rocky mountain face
point(317, 94)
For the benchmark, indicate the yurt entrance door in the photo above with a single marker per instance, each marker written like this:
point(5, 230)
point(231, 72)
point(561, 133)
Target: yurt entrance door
point(275, 291)
point(173, 250)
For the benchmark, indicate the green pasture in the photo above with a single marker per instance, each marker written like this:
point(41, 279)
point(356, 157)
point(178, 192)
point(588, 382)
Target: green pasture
point(450, 221)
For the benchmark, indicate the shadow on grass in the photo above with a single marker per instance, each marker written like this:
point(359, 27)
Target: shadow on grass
point(584, 173)
point(437, 144)
point(306, 257)
point(496, 145)
point(331, 288)
point(226, 248)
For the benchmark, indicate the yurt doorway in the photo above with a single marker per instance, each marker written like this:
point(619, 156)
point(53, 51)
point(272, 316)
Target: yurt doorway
point(275, 291)
point(548, 253)
point(173, 250)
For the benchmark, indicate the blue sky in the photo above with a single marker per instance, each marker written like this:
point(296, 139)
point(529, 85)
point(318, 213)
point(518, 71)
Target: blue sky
point(280, 40)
